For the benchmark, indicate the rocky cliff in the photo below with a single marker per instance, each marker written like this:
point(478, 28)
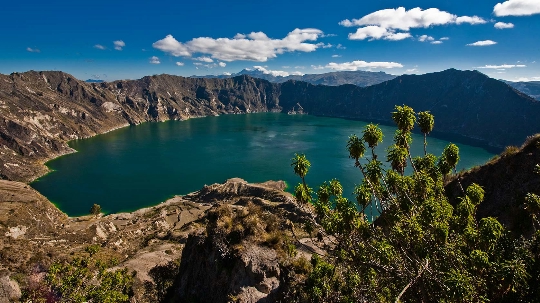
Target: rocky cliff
point(150, 242)
point(41, 111)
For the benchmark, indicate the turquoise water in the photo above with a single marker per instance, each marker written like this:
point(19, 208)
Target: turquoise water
point(143, 165)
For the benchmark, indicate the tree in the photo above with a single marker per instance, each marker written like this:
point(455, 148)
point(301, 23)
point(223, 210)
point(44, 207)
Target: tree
point(95, 209)
point(420, 248)
point(426, 122)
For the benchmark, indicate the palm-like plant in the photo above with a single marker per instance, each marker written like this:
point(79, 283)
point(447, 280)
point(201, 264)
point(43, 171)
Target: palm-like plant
point(426, 121)
point(373, 135)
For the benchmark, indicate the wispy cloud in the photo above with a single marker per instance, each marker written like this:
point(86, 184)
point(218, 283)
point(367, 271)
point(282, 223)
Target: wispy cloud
point(526, 79)
point(180, 63)
point(358, 64)
point(470, 20)
point(503, 66)
point(276, 73)
point(336, 56)
point(33, 50)
point(517, 8)
point(119, 45)
point(99, 46)
point(425, 38)
point(502, 25)
point(204, 59)
point(374, 32)
point(436, 42)
point(482, 43)
point(444, 38)
point(256, 46)
point(394, 24)
point(222, 64)
point(154, 60)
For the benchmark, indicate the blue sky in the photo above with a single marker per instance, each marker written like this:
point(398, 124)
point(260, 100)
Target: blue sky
point(127, 40)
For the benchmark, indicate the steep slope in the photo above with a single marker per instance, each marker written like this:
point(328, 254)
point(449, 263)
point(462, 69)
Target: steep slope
point(506, 180)
point(465, 103)
point(531, 88)
point(41, 111)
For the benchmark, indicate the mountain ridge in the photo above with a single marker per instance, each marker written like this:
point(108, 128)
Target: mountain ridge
point(359, 78)
point(41, 111)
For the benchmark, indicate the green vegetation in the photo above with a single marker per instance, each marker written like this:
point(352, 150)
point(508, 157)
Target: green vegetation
point(86, 278)
point(420, 247)
point(95, 209)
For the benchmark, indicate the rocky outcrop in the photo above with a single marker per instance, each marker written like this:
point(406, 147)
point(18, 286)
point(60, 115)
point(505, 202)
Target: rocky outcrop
point(241, 254)
point(41, 111)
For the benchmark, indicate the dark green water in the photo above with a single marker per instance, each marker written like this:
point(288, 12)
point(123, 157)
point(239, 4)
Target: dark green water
point(143, 165)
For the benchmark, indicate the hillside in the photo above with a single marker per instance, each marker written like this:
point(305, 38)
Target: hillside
point(41, 111)
point(506, 180)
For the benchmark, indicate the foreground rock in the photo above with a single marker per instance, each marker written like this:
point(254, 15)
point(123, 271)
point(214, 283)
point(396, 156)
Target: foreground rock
point(150, 241)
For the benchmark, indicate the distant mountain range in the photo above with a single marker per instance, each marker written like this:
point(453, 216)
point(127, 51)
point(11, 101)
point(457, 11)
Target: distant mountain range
point(358, 78)
point(531, 88)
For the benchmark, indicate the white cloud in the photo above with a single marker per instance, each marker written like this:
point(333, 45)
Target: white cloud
point(383, 24)
point(444, 38)
point(328, 35)
point(180, 63)
point(322, 45)
point(119, 45)
point(256, 46)
point(204, 59)
point(471, 20)
point(33, 50)
point(172, 46)
point(482, 43)
point(317, 67)
point(402, 19)
point(358, 64)
point(339, 46)
point(222, 64)
point(99, 46)
point(517, 8)
point(502, 25)
point(276, 73)
point(412, 70)
point(226, 74)
point(336, 56)
point(527, 79)
point(425, 38)
point(377, 32)
point(297, 73)
point(436, 42)
point(154, 60)
point(299, 67)
point(504, 66)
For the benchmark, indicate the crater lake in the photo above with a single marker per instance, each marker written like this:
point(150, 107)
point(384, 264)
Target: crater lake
point(140, 166)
